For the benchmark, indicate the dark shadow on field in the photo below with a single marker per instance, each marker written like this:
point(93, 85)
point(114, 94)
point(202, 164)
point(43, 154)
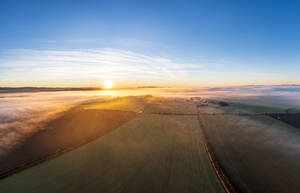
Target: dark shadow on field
point(74, 128)
point(291, 119)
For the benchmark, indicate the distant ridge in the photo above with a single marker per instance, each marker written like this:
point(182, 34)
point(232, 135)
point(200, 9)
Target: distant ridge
point(43, 89)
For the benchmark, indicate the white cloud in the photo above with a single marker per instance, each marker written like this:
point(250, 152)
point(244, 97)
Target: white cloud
point(88, 65)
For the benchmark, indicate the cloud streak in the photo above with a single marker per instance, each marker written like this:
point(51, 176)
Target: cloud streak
point(75, 66)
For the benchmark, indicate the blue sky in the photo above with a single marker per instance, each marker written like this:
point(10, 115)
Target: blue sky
point(176, 43)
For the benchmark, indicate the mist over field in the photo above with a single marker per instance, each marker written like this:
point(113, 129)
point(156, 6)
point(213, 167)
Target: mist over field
point(285, 96)
point(22, 114)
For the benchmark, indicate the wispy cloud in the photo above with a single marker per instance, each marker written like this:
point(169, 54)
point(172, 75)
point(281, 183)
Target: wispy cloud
point(88, 65)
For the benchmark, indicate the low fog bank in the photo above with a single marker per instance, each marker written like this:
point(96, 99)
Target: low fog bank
point(22, 114)
point(284, 96)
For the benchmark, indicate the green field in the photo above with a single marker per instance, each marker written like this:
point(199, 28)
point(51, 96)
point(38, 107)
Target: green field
point(236, 107)
point(130, 103)
point(161, 148)
point(150, 153)
point(171, 106)
point(259, 154)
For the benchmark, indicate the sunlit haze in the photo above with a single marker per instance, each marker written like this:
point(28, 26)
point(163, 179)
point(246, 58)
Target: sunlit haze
point(108, 84)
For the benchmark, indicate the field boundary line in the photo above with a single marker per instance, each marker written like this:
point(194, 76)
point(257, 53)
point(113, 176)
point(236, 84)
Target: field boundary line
point(216, 114)
point(227, 185)
point(169, 113)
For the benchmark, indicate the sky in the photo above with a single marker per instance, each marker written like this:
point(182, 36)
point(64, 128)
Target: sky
point(149, 43)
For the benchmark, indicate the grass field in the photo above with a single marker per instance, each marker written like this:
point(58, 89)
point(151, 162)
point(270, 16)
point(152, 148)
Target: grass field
point(162, 149)
point(150, 153)
point(171, 106)
point(74, 128)
point(259, 154)
point(129, 103)
point(248, 108)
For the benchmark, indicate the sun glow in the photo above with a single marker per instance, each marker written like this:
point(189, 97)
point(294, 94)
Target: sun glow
point(108, 84)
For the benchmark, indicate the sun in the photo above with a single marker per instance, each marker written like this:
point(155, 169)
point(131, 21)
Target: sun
point(108, 84)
